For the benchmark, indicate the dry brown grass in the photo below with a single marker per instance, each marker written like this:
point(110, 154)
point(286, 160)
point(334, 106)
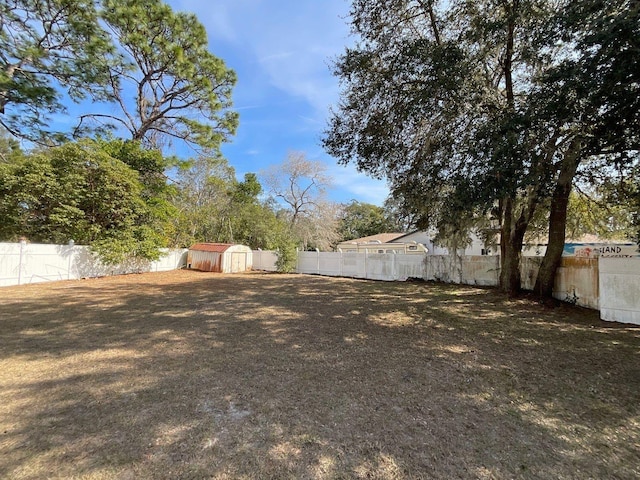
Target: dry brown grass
point(197, 375)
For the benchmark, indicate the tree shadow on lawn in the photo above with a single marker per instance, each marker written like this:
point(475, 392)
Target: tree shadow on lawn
point(196, 375)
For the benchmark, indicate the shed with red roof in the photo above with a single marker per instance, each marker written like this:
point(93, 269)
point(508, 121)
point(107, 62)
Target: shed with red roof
point(219, 257)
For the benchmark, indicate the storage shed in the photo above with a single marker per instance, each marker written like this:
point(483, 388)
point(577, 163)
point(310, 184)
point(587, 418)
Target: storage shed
point(219, 257)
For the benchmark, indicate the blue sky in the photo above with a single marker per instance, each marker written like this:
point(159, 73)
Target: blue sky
point(281, 51)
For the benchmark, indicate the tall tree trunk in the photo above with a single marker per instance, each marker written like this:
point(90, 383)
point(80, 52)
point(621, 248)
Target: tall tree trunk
point(558, 221)
point(510, 270)
point(514, 227)
point(510, 236)
point(511, 240)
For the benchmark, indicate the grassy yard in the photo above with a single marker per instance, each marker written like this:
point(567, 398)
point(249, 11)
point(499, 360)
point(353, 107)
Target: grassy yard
point(198, 375)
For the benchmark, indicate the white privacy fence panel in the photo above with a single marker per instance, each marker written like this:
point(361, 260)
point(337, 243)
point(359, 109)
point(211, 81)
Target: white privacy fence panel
point(22, 263)
point(353, 264)
point(443, 268)
point(409, 266)
point(577, 282)
point(331, 263)
point(481, 270)
point(620, 289)
point(265, 260)
point(380, 266)
point(372, 266)
point(468, 269)
point(172, 259)
point(308, 262)
point(28, 263)
point(475, 270)
point(9, 264)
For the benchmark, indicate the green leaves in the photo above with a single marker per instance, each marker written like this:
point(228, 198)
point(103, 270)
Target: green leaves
point(363, 219)
point(214, 207)
point(58, 50)
point(49, 48)
point(80, 192)
point(183, 90)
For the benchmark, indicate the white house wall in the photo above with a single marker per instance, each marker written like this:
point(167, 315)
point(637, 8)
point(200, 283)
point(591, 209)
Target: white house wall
point(424, 237)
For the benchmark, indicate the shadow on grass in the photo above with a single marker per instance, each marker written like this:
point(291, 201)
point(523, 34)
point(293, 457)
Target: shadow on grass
point(194, 375)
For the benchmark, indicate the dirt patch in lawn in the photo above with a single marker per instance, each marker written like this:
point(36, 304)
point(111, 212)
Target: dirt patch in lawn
point(198, 375)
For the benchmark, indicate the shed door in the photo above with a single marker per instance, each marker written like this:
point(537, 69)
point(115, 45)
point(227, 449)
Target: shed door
point(238, 262)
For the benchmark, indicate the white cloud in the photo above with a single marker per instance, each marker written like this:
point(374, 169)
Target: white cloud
point(292, 42)
point(217, 16)
point(361, 187)
point(287, 45)
point(276, 56)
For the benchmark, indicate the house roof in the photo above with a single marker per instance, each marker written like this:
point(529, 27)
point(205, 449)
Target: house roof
point(211, 247)
point(403, 235)
point(381, 237)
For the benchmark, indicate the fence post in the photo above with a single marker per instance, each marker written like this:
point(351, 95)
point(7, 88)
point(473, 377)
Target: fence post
point(22, 244)
point(394, 274)
point(341, 263)
point(71, 244)
point(366, 252)
point(317, 261)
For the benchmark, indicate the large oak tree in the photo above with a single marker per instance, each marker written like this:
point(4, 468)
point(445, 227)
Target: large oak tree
point(459, 104)
point(433, 100)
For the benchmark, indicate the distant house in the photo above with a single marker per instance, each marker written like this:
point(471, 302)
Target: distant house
point(424, 237)
point(379, 238)
point(419, 241)
point(381, 243)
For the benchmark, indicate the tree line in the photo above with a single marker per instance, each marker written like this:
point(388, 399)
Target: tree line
point(114, 195)
point(144, 80)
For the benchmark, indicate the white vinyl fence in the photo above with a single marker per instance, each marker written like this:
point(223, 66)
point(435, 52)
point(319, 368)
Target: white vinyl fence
point(22, 263)
point(611, 285)
point(473, 270)
point(373, 266)
point(620, 289)
point(265, 260)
